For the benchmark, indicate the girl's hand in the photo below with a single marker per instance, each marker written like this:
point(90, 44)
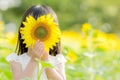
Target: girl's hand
point(38, 51)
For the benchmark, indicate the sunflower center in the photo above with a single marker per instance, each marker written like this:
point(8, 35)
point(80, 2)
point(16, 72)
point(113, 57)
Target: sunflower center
point(40, 32)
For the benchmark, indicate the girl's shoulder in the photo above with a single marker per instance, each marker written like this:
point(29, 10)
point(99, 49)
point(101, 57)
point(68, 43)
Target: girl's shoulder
point(22, 59)
point(59, 58)
point(17, 58)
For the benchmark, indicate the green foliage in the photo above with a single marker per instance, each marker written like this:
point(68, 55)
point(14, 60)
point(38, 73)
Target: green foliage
point(103, 66)
point(5, 71)
point(103, 14)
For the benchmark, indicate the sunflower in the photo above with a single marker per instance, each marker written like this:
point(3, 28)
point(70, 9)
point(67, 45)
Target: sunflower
point(43, 28)
point(87, 29)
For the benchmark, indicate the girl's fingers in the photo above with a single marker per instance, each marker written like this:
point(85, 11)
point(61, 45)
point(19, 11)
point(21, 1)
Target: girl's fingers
point(38, 42)
point(36, 45)
point(39, 48)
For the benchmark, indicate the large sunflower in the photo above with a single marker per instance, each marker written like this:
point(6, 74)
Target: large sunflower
point(43, 29)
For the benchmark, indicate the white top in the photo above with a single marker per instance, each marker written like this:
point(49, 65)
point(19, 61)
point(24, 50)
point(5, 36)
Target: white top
point(24, 60)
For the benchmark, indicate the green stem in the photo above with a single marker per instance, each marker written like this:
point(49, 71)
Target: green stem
point(91, 52)
point(38, 71)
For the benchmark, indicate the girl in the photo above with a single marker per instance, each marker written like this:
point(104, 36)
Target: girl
point(23, 64)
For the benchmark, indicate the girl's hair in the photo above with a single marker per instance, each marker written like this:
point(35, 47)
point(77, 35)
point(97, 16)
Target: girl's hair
point(36, 11)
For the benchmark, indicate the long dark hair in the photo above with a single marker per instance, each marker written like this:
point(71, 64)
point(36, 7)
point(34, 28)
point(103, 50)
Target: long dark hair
point(36, 11)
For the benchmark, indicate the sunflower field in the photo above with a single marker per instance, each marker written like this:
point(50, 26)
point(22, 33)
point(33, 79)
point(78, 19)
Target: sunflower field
point(90, 53)
point(90, 37)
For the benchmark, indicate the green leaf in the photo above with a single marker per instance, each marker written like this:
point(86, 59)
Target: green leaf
point(46, 64)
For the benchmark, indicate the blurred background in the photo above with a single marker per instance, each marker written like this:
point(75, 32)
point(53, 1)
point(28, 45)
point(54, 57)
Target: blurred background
point(90, 36)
